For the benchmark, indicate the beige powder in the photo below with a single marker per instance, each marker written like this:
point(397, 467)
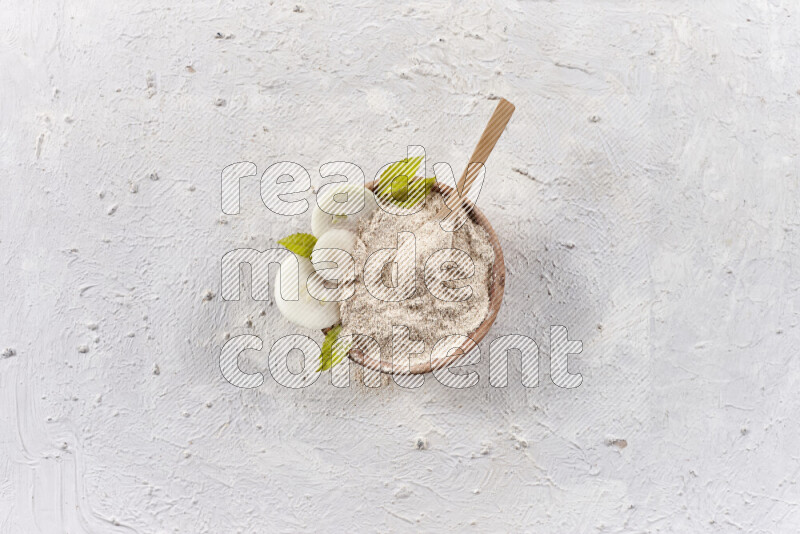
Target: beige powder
point(429, 319)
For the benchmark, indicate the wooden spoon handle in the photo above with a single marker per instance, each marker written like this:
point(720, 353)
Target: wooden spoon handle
point(491, 134)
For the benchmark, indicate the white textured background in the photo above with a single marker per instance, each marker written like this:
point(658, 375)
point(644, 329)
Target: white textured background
point(646, 195)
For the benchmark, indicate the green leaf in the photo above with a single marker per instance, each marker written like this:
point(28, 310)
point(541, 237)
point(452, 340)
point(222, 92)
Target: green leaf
point(329, 357)
point(413, 193)
point(300, 244)
point(405, 168)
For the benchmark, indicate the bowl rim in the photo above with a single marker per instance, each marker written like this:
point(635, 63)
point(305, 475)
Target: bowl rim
point(497, 283)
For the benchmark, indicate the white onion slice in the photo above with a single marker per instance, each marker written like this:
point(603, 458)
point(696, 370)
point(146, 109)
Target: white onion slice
point(307, 311)
point(327, 255)
point(336, 208)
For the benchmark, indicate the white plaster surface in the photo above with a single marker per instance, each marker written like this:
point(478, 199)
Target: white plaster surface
point(645, 192)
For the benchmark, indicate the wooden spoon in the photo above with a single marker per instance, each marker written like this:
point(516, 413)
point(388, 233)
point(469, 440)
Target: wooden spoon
point(494, 129)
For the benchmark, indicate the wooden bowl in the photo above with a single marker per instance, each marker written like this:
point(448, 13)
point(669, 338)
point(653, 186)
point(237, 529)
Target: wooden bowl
point(497, 284)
